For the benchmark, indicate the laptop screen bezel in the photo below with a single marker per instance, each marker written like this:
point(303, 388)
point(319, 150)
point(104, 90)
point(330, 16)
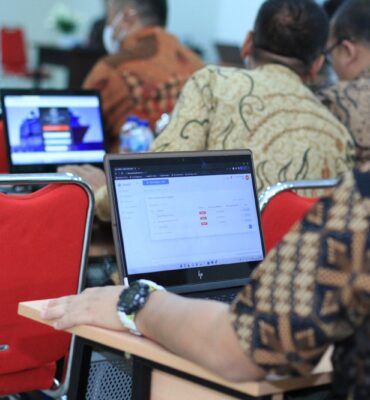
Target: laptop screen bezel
point(191, 276)
point(36, 168)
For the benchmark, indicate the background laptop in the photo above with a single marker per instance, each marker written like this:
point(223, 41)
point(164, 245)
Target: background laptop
point(44, 129)
point(188, 221)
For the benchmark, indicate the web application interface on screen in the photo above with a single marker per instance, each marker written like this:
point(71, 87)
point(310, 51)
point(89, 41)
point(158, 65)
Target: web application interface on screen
point(54, 130)
point(187, 219)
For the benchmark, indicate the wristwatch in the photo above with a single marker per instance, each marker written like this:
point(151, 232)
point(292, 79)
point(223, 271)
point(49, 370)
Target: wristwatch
point(132, 300)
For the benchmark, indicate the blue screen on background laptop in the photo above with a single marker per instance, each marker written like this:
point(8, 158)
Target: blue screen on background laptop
point(54, 129)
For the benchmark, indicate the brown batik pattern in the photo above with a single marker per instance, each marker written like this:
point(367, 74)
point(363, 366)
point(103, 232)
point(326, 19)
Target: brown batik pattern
point(149, 98)
point(313, 288)
point(349, 101)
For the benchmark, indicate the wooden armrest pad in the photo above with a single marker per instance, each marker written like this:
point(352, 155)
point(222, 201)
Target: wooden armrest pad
point(149, 350)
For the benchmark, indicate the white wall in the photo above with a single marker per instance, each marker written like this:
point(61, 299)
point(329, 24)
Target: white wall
point(195, 22)
point(236, 19)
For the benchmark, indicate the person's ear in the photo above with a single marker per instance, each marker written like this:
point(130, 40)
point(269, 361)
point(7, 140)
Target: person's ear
point(349, 53)
point(129, 17)
point(247, 46)
point(316, 68)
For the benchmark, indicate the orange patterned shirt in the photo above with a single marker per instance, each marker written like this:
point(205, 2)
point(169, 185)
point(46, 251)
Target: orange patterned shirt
point(145, 78)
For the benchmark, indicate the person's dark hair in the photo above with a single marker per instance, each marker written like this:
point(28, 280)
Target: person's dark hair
point(296, 29)
point(352, 21)
point(151, 12)
point(332, 6)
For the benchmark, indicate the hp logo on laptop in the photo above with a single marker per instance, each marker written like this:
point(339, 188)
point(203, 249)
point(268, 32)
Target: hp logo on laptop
point(200, 275)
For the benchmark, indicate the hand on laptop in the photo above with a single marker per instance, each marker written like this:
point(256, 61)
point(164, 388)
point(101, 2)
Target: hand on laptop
point(95, 177)
point(95, 306)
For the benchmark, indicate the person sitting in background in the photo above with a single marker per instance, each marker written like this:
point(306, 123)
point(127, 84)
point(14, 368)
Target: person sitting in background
point(268, 109)
point(349, 49)
point(312, 290)
point(327, 76)
point(147, 67)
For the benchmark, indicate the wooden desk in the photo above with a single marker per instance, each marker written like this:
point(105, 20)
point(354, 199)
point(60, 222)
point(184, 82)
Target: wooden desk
point(78, 61)
point(161, 375)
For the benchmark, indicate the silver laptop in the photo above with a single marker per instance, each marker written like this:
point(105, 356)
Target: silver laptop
point(189, 221)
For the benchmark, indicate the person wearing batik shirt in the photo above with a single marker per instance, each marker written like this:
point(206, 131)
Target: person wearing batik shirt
point(313, 290)
point(147, 67)
point(349, 50)
point(268, 107)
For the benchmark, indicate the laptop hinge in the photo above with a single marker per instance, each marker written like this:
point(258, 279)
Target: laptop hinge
point(202, 287)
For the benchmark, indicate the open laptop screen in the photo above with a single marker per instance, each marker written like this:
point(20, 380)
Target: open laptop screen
point(53, 129)
point(199, 214)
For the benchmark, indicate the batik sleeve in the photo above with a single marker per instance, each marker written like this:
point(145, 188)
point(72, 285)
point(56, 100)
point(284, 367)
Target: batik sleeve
point(293, 308)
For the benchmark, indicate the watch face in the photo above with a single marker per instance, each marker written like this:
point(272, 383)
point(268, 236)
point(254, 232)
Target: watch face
point(133, 298)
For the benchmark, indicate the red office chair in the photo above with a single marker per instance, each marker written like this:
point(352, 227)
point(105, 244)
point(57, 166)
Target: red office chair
point(281, 208)
point(3, 152)
point(14, 55)
point(44, 240)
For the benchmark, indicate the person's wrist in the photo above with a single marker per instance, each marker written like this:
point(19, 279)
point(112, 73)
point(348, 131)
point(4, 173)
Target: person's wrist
point(131, 301)
point(144, 316)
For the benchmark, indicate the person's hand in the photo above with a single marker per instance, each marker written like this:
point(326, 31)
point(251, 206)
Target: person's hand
point(95, 307)
point(95, 177)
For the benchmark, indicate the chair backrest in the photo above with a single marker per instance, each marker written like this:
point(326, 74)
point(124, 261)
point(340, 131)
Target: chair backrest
point(282, 208)
point(3, 151)
point(44, 240)
point(13, 51)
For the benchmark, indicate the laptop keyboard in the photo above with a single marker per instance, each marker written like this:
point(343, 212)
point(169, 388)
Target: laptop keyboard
point(223, 295)
point(223, 298)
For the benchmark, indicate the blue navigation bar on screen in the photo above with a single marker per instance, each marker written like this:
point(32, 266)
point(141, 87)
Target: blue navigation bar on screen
point(156, 182)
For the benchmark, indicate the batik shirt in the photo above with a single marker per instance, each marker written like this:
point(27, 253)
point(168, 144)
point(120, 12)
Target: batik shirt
point(349, 101)
point(144, 79)
point(313, 289)
point(268, 110)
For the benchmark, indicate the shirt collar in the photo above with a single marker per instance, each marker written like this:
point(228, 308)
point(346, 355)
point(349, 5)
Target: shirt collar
point(365, 74)
point(133, 39)
point(282, 70)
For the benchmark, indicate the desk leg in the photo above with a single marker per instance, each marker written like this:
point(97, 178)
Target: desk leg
point(80, 370)
point(141, 380)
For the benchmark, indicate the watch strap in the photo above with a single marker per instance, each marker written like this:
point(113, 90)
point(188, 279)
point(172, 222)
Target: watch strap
point(128, 320)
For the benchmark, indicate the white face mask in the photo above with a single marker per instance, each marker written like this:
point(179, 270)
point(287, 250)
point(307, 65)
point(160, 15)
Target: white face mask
point(112, 44)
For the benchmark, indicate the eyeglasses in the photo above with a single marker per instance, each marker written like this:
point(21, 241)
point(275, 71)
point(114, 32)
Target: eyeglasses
point(327, 52)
